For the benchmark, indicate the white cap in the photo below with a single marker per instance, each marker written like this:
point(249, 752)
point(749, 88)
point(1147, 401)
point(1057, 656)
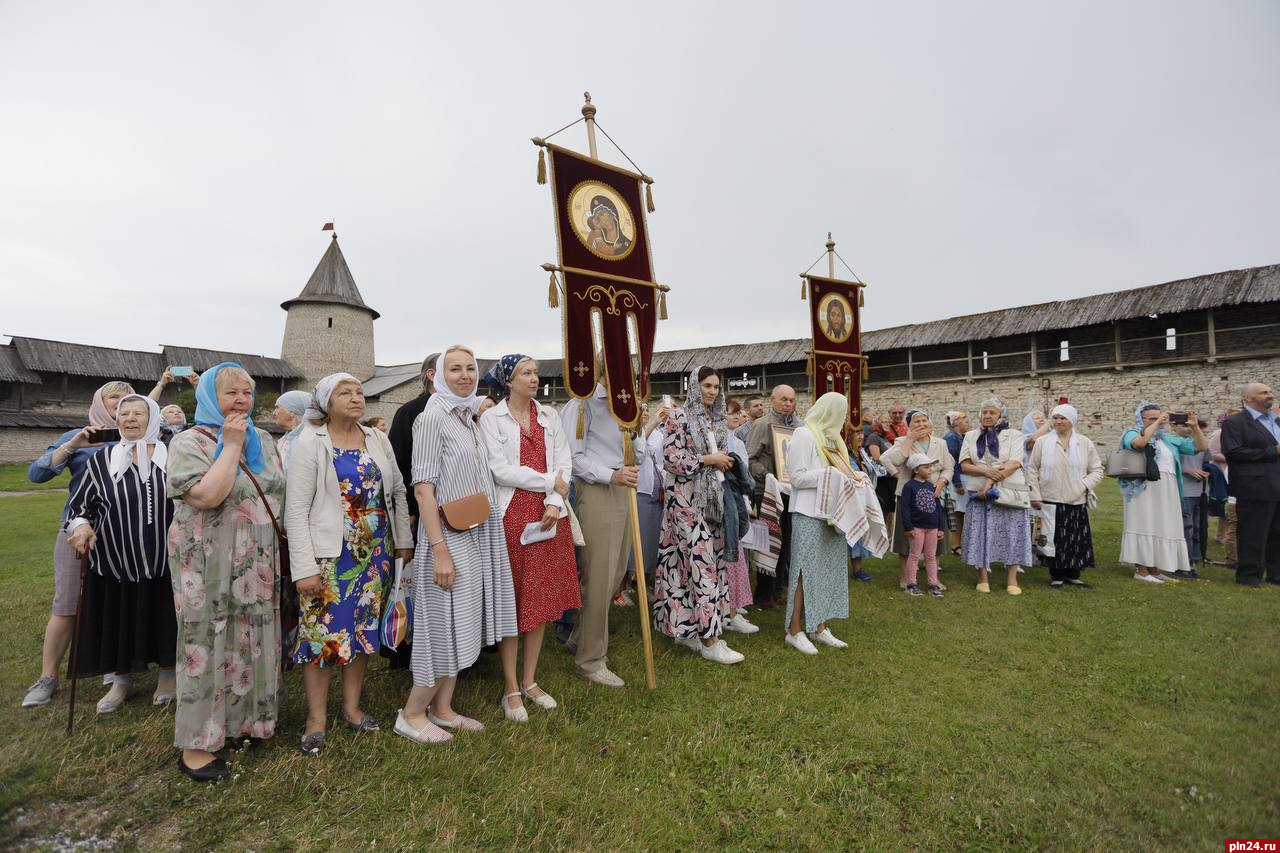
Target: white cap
point(915, 460)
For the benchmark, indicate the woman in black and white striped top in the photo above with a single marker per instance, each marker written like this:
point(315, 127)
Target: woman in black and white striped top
point(462, 593)
point(119, 515)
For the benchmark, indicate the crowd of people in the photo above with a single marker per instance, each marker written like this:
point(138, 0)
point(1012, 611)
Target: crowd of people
point(224, 557)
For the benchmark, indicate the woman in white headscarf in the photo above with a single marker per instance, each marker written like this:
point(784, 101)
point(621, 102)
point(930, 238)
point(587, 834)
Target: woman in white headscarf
point(291, 407)
point(119, 515)
point(1063, 469)
point(463, 597)
point(346, 516)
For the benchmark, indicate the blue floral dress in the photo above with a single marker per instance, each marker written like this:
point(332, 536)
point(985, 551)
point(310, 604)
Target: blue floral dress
point(342, 621)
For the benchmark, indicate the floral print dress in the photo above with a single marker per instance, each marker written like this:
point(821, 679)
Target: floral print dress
point(225, 570)
point(691, 587)
point(342, 621)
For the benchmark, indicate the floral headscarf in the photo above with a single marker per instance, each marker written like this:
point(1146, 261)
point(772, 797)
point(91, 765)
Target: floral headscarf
point(708, 491)
point(499, 376)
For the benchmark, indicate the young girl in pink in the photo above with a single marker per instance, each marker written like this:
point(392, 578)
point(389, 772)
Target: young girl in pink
point(921, 510)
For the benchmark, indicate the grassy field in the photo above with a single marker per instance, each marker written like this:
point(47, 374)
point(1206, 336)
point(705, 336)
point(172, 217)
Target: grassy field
point(1128, 717)
point(13, 478)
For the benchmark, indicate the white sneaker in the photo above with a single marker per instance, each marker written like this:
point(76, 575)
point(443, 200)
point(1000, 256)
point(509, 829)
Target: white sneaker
point(1138, 576)
point(690, 643)
point(801, 643)
point(828, 639)
point(740, 624)
point(720, 652)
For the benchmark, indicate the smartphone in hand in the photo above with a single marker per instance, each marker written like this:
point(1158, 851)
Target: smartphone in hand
point(1177, 417)
point(103, 436)
point(181, 372)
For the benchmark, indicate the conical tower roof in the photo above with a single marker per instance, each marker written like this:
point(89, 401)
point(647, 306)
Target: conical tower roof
point(332, 282)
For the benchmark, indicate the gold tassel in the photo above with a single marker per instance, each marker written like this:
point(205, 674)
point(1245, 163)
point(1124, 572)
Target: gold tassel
point(648, 194)
point(866, 370)
point(808, 367)
point(542, 166)
point(582, 419)
point(804, 288)
point(662, 306)
point(553, 292)
point(861, 302)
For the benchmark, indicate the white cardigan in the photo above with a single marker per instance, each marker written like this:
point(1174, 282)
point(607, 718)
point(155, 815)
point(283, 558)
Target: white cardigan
point(313, 511)
point(1012, 449)
point(804, 471)
point(1061, 487)
point(502, 439)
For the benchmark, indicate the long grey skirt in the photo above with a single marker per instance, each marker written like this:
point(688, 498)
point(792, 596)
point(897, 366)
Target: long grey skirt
point(820, 555)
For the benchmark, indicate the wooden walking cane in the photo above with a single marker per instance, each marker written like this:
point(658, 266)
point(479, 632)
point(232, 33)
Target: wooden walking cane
point(637, 553)
point(75, 644)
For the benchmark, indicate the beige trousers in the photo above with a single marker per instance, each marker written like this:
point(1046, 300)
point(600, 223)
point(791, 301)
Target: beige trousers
point(605, 516)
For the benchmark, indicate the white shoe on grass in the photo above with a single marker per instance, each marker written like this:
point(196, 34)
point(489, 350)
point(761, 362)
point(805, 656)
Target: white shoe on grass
point(1138, 576)
point(719, 652)
point(801, 643)
point(740, 624)
point(828, 639)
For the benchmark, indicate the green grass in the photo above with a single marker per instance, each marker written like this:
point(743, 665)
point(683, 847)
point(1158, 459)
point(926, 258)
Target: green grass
point(13, 478)
point(1127, 716)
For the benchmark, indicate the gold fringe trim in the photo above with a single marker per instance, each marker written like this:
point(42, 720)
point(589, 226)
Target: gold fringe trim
point(866, 370)
point(648, 194)
point(553, 292)
point(808, 367)
point(804, 288)
point(582, 419)
point(861, 302)
point(662, 306)
point(542, 165)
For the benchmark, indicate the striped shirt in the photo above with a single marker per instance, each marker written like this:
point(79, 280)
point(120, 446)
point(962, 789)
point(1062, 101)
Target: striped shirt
point(130, 518)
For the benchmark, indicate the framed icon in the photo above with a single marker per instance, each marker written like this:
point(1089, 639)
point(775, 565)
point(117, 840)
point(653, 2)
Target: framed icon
point(602, 220)
point(781, 445)
point(835, 317)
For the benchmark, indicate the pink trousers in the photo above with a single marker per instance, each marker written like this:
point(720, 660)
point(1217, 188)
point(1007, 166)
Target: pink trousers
point(926, 542)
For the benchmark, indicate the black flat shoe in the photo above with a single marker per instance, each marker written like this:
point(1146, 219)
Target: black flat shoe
point(214, 771)
point(1079, 583)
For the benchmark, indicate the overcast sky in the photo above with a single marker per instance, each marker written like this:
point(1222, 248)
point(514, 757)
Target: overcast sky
point(165, 167)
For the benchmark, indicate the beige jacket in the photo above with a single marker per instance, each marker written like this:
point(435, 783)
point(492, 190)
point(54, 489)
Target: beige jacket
point(1061, 487)
point(313, 506)
point(896, 457)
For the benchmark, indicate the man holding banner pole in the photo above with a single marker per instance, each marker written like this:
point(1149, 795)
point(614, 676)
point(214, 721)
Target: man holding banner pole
point(604, 482)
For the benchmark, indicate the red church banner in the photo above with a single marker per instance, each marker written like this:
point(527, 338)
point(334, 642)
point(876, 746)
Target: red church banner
point(837, 362)
point(612, 304)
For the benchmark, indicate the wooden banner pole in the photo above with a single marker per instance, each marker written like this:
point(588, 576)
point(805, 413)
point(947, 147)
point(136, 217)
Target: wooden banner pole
point(589, 113)
point(831, 256)
point(75, 644)
point(637, 554)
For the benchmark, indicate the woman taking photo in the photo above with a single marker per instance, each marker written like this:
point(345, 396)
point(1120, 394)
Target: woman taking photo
point(73, 449)
point(225, 478)
point(1153, 540)
point(997, 525)
point(345, 516)
point(531, 463)
point(690, 587)
point(1062, 470)
point(127, 621)
point(818, 586)
point(462, 592)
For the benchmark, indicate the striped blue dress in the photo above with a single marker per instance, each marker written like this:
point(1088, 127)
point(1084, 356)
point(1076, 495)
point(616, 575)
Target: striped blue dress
point(450, 627)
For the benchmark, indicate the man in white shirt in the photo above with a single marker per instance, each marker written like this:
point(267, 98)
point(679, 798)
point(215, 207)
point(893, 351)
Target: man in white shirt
point(601, 481)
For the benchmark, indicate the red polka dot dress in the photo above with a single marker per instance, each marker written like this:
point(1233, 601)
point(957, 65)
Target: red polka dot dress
point(544, 574)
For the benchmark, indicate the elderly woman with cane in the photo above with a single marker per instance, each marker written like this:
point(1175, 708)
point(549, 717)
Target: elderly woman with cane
point(1063, 469)
point(345, 514)
point(225, 560)
point(73, 449)
point(120, 518)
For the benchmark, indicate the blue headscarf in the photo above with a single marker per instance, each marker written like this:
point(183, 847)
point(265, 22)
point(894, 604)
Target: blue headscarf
point(1144, 406)
point(209, 413)
point(499, 376)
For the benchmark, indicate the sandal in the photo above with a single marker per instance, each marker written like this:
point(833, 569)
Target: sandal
point(544, 701)
point(368, 723)
point(518, 714)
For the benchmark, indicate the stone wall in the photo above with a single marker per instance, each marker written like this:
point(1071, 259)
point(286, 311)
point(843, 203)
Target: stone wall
point(25, 445)
point(318, 348)
point(1106, 399)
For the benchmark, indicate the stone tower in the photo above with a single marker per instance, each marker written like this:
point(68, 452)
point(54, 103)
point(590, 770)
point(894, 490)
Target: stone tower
point(329, 328)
